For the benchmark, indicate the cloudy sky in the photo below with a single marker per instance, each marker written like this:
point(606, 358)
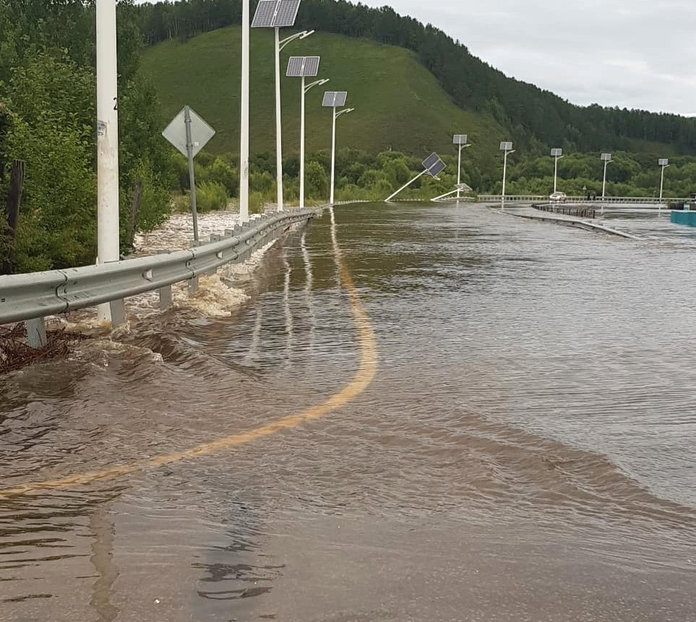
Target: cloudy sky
point(632, 53)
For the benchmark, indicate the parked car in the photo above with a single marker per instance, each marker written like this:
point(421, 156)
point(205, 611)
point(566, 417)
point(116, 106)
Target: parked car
point(558, 196)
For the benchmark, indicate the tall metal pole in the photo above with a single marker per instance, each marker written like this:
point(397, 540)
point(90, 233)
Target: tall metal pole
point(279, 124)
point(604, 181)
point(555, 173)
point(502, 201)
point(192, 173)
point(333, 156)
point(459, 173)
point(302, 145)
point(107, 139)
point(244, 125)
point(391, 196)
point(662, 181)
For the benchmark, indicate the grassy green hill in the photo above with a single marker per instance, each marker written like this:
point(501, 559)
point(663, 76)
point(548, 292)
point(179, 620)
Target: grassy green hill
point(399, 104)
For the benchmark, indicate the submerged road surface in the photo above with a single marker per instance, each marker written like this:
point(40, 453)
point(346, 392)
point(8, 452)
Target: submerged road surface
point(424, 413)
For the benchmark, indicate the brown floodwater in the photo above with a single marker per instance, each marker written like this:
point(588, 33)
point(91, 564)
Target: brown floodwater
point(421, 413)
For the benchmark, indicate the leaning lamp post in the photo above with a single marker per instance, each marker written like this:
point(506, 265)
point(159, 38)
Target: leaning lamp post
point(506, 148)
point(334, 100)
point(304, 67)
point(279, 14)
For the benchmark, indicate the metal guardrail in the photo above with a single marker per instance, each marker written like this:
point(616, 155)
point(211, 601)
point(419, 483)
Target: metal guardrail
point(496, 198)
point(30, 296)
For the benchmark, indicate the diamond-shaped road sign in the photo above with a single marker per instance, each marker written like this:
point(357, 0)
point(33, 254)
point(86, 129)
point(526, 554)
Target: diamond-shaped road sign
point(201, 132)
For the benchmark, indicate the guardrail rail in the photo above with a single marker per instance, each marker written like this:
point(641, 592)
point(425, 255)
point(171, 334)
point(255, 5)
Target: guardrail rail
point(31, 297)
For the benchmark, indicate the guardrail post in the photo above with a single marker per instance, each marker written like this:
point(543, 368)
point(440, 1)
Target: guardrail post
point(36, 333)
point(165, 297)
point(118, 312)
point(193, 285)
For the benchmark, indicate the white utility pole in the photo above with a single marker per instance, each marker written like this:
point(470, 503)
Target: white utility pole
point(462, 141)
point(606, 158)
point(107, 140)
point(333, 100)
point(279, 124)
point(556, 154)
point(303, 67)
point(506, 148)
point(663, 163)
point(278, 14)
point(302, 144)
point(244, 125)
point(305, 90)
point(336, 114)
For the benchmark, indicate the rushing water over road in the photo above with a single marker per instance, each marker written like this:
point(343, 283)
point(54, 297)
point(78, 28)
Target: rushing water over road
point(524, 451)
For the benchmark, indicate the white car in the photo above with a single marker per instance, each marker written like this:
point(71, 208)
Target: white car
point(558, 196)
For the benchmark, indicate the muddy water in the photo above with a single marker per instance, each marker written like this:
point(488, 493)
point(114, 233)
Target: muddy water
point(524, 452)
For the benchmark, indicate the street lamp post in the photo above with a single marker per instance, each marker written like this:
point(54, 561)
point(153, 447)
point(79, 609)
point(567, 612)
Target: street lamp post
point(432, 165)
point(461, 140)
point(606, 158)
point(663, 163)
point(278, 14)
point(107, 140)
point(304, 67)
point(506, 148)
point(334, 100)
point(556, 154)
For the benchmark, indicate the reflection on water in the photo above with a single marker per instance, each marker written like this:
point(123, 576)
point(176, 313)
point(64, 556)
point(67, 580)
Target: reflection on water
point(526, 446)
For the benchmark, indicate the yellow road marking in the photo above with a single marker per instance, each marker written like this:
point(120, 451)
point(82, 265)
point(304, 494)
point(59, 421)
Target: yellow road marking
point(362, 379)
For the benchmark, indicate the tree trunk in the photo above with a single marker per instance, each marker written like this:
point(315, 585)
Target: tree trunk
point(14, 202)
point(134, 209)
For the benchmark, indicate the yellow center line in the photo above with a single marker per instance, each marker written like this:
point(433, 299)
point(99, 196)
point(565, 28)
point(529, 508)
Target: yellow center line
point(361, 380)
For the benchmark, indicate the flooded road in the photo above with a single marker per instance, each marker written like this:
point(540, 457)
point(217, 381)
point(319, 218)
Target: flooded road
point(504, 430)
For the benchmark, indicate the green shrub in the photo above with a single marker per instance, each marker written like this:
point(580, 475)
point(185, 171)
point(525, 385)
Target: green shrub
point(211, 195)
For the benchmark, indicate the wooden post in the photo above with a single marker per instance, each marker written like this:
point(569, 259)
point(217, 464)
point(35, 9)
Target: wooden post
point(14, 202)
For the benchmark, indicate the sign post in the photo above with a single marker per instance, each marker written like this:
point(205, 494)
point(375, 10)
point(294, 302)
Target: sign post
point(189, 133)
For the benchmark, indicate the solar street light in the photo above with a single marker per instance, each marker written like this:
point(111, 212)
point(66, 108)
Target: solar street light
point(606, 158)
point(334, 100)
point(663, 163)
point(304, 67)
point(506, 148)
point(279, 14)
point(433, 165)
point(462, 140)
point(556, 154)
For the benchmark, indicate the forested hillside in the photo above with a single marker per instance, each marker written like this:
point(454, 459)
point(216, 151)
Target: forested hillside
point(534, 118)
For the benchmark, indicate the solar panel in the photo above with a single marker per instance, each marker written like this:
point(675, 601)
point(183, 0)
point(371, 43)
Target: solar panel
point(433, 164)
point(556, 153)
point(275, 14)
point(437, 168)
point(303, 66)
point(460, 139)
point(506, 146)
point(334, 99)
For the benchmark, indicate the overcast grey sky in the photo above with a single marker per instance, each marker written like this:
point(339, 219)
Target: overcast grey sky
point(632, 53)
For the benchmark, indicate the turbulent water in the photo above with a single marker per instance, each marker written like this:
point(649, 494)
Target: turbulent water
point(524, 452)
